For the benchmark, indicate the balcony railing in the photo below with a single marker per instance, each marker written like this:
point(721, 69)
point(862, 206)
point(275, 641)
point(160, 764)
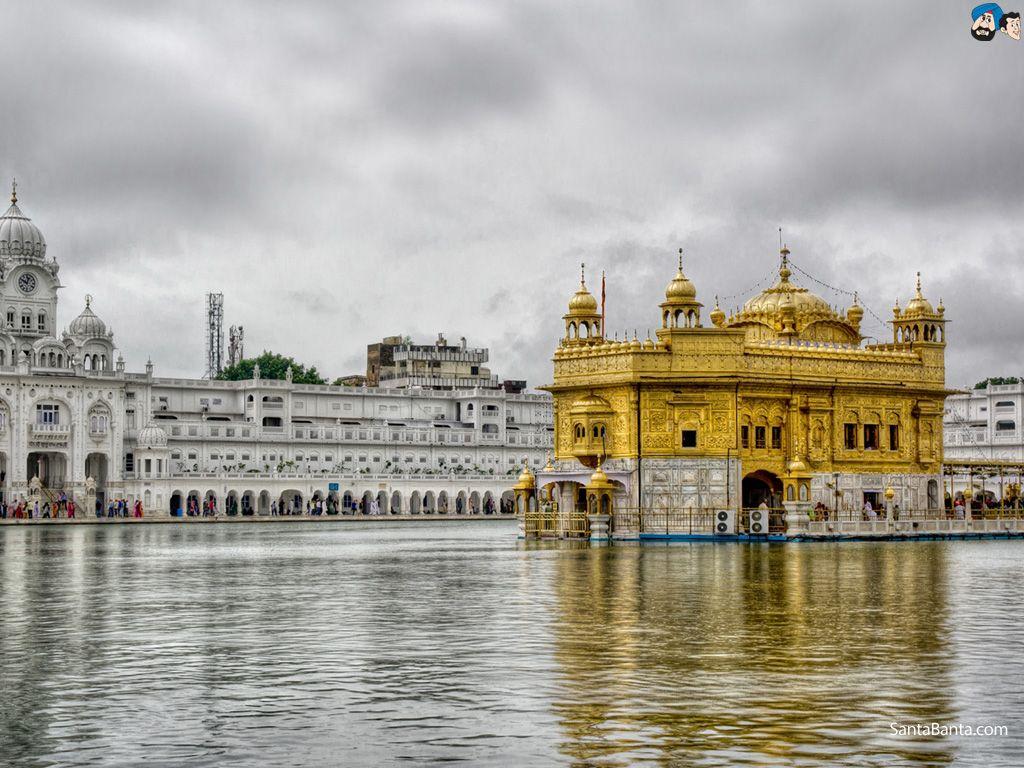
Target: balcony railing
point(50, 429)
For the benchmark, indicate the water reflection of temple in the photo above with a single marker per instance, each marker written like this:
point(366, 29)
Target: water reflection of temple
point(748, 655)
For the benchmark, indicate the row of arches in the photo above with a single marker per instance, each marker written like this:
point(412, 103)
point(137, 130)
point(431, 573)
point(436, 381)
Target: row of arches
point(54, 358)
point(681, 318)
point(583, 329)
point(906, 334)
point(349, 502)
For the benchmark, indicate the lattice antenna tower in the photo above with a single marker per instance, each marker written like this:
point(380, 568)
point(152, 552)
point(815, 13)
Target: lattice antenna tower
point(214, 334)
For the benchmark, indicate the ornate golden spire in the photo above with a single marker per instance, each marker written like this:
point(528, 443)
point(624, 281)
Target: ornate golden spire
point(784, 271)
point(14, 191)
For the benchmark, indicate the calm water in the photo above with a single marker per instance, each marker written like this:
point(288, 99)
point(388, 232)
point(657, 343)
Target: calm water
point(321, 644)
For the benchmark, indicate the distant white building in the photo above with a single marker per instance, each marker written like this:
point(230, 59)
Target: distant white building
point(74, 419)
point(985, 424)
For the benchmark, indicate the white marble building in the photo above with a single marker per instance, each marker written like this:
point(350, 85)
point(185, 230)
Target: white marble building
point(985, 424)
point(73, 417)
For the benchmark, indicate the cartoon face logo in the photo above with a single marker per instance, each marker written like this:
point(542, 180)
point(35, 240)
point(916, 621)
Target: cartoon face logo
point(985, 17)
point(1010, 24)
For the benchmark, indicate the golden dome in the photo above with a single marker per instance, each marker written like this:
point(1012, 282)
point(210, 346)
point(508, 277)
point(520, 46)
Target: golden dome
point(599, 478)
point(790, 310)
point(717, 315)
point(919, 305)
point(583, 301)
point(771, 300)
point(856, 312)
point(526, 479)
point(680, 289)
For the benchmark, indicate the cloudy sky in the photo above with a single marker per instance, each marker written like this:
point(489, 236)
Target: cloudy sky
point(345, 171)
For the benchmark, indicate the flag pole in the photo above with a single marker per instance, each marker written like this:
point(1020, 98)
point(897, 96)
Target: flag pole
point(603, 324)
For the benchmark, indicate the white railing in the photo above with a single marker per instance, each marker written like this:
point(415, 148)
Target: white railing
point(501, 479)
point(50, 429)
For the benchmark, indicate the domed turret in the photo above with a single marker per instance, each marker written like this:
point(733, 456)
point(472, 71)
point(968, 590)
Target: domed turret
point(152, 436)
point(87, 324)
point(919, 321)
point(680, 308)
point(583, 321)
point(918, 305)
point(19, 237)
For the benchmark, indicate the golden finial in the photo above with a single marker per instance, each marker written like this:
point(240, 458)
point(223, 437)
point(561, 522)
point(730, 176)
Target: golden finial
point(784, 272)
point(583, 274)
point(680, 260)
point(14, 191)
point(855, 297)
point(919, 283)
point(88, 300)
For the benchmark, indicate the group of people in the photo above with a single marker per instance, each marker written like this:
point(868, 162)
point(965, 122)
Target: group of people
point(120, 508)
point(62, 507)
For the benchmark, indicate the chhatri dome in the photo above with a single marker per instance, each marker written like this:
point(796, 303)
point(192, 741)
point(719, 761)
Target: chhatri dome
point(583, 301)
point(680, 289)
point(919, 305)
point(19, 237)
point(152, 436)
point(88, 323)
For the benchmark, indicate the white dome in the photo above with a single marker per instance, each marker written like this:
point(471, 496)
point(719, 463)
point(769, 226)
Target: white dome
point(87, 324)
point(19, 237)
point(152, 436)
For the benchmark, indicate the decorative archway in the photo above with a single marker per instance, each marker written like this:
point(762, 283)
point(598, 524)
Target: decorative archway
point(762, 486)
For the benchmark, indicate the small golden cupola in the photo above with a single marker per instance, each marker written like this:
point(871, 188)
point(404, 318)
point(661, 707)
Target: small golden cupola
point(919, 321)
point(583, 323)
point(717, 315)
point(680, 308)
point(855, 314)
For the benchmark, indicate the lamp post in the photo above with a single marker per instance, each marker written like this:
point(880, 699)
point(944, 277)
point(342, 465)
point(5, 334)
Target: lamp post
point(889, 495)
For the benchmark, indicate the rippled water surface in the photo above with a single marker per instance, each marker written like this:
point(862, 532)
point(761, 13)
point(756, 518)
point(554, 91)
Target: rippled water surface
point(324, 644)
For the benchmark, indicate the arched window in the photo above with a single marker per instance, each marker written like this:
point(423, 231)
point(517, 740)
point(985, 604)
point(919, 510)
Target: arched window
point(41, 321)
point(580, 432)
point(1006, 426)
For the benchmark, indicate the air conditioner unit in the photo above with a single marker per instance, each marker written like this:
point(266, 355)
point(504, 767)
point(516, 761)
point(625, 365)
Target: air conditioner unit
point(758, 525)
point(725, 522)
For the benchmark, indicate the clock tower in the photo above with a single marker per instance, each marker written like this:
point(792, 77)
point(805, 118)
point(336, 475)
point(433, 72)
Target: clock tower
point(28, 285)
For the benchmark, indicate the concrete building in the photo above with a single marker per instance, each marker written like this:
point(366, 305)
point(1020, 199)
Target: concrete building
point(397, 363)
point(985, 423)
point(74, 420)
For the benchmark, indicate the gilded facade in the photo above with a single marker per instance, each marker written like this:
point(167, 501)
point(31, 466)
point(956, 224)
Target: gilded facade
point(781, 402)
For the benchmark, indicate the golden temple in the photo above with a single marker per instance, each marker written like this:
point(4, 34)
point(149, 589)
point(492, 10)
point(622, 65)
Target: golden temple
point(781, 404)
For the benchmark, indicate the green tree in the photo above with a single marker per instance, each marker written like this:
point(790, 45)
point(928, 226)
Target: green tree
point(997, 380)
point(272, 366)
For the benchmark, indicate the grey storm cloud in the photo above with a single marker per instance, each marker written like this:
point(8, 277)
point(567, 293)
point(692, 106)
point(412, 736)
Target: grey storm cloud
point(346, 171)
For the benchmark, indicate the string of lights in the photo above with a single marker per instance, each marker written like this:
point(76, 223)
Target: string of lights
point(882, 323)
